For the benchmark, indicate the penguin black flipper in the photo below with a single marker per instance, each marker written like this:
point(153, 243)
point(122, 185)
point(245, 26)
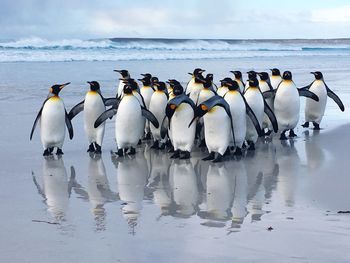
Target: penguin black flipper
point(271, 116)
point(308, 94)
point(111, 101)
point(69, 125)
point(252, 116)
point(335, 97)
point(269, 94)
point(164, 127)
point(169, 112)
point(37, 119)
point(76, 110)
point(104, 116)
point(149, 116)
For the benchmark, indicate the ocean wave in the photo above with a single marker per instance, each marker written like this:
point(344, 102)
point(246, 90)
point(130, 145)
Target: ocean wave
point(38, 49)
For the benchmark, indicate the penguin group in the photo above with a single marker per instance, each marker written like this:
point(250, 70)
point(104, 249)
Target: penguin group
point(225, 119)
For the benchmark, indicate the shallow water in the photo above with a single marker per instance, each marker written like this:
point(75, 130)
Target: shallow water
point(148, 208)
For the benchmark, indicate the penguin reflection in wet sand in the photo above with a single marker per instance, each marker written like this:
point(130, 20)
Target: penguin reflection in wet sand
point(180, 111)
point(314, 111)
point(93, 106)
point(287, 104)
point(53, 119)
point(217, 126)
point(129, 121)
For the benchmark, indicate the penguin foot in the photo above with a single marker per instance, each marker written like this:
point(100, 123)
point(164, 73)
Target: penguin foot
point(218, 158)
point(147, 136)
point(210, 157)
point(140, 142)
point(238, 152)
point(292, 134)
point(227, 152)
point(316, 126)
point(171, 149)
point(244, 146)
point(59, 151)
point(132, 151)
point(91, 148)
point(155, 145)
point(120, 152)
point(283, 136)
point(98, 149)
point(202, 143)
point(168, 144)
point(47, 152)
point(185, 155)
point(305, 125)
point(162, 146)
point(251, 146)
point(175, 155)
point(51, 149)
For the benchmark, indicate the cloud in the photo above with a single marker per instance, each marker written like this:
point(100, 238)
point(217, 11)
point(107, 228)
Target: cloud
point(332, 15)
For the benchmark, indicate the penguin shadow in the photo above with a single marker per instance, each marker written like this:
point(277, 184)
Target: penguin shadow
point(219, 196)
point(185, 192)
point(98, 190)
point(289, 170)
point(55, 188)
point(132, 175)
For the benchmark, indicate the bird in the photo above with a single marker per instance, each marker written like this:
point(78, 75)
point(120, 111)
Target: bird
point(53, 119)
point(124, 76)
point(314, 111)
point(146, 91)
point(239, 80)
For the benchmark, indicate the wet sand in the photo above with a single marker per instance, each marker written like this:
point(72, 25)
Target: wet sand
point(279, 205)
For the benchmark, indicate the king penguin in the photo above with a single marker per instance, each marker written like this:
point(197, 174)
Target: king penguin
point(251, 76)
point(314, 111)
point(217, 126)
point(223, 87)
point(239, 80)
point(258, 104)
point(189, 86)
point(287, 104)
point(93, 105)
point(180, 111)
point(239, 108)
point(157, 106)
point(129, 121)
point(275, 78)
point(53, 119)
point(125, 75)
point(146, 91)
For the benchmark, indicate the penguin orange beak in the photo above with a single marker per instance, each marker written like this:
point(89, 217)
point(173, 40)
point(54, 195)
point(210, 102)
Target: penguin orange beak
point(63, 85)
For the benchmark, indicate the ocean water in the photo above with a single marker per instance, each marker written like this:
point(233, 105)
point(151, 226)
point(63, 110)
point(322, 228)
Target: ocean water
point(149, 208)
point(37, 49)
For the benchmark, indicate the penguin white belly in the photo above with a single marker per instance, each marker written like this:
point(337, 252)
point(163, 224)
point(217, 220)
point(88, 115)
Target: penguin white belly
point(182, 135)
point(222, 91)
point(204, 95)
point(217, 130)
point(128, 122)
point(256, 102)
point(275, 81)
point(157, 106)
point(189, 86)
point(120, 92)
point(53, 125)
point(266, 121)
point(93, 108)
point(195, 90)
point(287, 106)
point(146, 93)
point(240, 85)
point(314, 110)
point(238, 113)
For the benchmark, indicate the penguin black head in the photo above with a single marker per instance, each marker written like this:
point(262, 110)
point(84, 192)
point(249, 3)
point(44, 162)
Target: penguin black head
point(173, 82)
point(178, 90)
point(127, 89)
point(287, 75)
point(55, 89)
point(275, 72)
point(253, 83)
point(251, 74)
point(154, 80)
point(208, 80)
point(161, 86)
point(317, 74)
point(263, 75)
point(238, 74)
point(232, 85)
point(224, 81)
point(146, 81)
point(123, 72)
point(131, 83)
point(146, 75)
point(197, 71)
point(94, 85)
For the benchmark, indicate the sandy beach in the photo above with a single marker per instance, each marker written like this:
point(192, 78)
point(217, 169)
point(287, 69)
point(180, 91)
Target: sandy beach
point(280, 204)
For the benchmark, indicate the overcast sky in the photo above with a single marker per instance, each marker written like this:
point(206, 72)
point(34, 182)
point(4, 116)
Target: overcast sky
point(64, 19)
